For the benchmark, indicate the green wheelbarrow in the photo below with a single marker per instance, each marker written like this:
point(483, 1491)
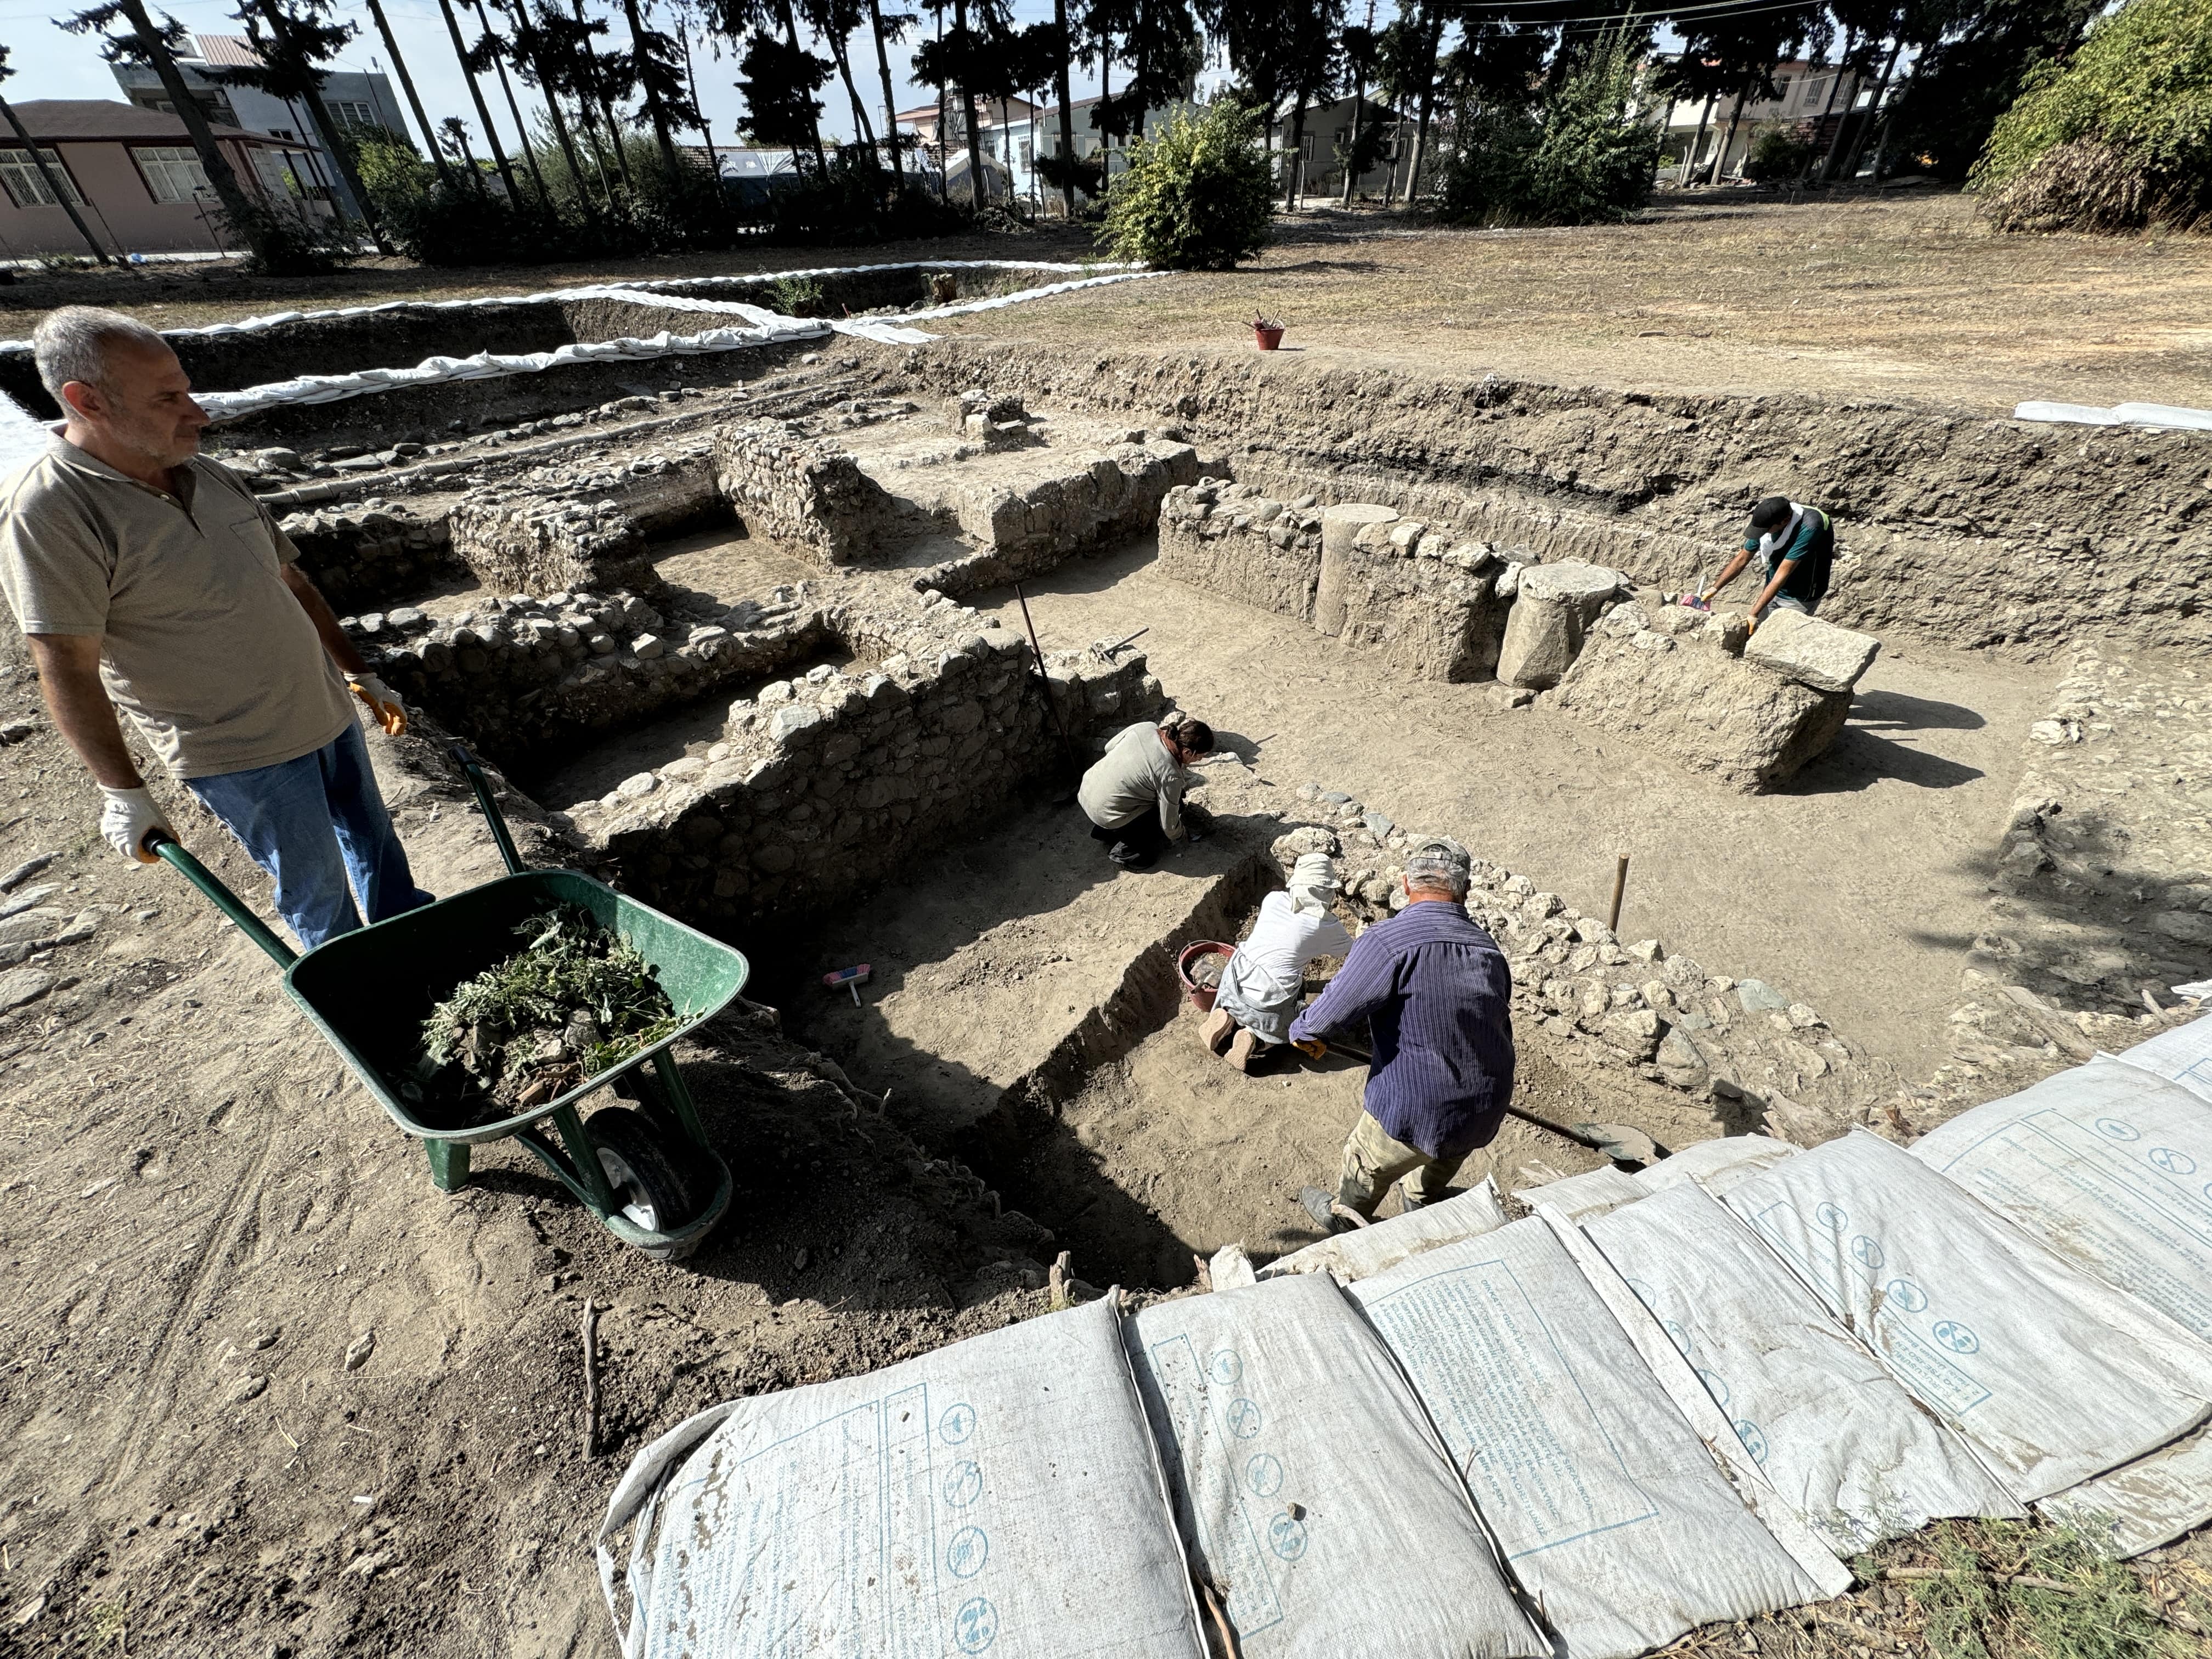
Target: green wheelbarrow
point(645, 1170)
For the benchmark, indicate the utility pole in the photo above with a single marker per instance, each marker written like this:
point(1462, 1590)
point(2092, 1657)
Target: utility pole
point(407, 85)
point(1067, 114)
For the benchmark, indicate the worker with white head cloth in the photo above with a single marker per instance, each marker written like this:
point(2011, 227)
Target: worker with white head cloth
point(1264, 980)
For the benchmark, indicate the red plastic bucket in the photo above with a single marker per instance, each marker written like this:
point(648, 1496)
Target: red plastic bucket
point(1269, 338)
point(1201, 996)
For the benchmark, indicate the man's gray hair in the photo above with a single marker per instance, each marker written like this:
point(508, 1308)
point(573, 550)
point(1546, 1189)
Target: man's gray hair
point(1439, 867)
point(73, 343)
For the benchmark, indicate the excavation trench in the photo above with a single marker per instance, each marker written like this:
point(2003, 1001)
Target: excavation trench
point(771, 675)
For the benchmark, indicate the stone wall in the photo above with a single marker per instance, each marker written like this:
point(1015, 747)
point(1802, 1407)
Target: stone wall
point(371, 555)
point(1763, 1060)
point(1957, 529)
point(520, 678)
point(1428, 603)
point(822, 784)
point(803, 490)
point(1682, 682)
point(592, 534)
point(1100, 501)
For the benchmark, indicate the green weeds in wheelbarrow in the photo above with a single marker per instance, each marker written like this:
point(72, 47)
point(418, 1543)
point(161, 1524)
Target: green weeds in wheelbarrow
point(646, 1171)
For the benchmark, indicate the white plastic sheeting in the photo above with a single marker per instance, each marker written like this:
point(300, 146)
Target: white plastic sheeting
point(766, 327)
point(1001, 1495)
point(1111, 270)
point(2182, 1055)
point(2149, 1502)
point(1367, 1250)
point(1312, 1491)
point(491, 365)
point(2107, 1165)
point(1607, 1504)
point(1827, 1426)
point(2052, 1377)
point(22, 437)
point(2168, 416)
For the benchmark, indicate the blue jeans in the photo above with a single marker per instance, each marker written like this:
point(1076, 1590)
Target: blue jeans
point(311, 823)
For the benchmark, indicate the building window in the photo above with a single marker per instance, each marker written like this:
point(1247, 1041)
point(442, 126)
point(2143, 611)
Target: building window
point(171, 175)
point(1028, 160)
point(25, 188)
point(352, 114)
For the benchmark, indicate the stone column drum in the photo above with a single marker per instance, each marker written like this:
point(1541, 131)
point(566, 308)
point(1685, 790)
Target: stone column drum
point(1338, 524)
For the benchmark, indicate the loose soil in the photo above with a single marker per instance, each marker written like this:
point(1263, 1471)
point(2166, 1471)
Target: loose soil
point(1896, 295)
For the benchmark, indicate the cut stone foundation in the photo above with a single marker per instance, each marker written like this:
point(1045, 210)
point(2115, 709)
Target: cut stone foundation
point(1664, 675)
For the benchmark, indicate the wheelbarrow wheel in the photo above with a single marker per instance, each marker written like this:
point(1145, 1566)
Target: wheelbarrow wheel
point(649, 1189)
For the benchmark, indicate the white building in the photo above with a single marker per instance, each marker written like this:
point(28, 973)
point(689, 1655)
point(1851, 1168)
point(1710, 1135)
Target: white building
point(1815, 98)
point(305, 174)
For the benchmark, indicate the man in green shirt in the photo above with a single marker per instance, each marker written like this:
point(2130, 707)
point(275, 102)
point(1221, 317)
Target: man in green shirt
point(1796, 545)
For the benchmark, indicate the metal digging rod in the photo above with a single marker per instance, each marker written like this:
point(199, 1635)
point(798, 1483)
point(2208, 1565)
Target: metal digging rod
point(1044, 685)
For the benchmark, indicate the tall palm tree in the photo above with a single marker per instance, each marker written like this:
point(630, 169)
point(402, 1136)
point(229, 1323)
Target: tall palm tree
point(484, 110)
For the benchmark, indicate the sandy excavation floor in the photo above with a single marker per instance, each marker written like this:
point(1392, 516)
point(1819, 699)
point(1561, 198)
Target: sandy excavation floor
point(1879, 852)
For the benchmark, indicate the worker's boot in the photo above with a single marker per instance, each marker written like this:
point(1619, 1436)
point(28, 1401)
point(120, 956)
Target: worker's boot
point(1215, 1034)
point(1244, 1050)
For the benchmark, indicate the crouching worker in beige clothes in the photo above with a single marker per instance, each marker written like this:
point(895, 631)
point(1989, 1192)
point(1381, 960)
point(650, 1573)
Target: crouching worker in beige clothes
point(147, 578)
point(1134, 794)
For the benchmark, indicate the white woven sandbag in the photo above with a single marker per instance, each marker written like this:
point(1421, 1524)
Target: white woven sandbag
point(1313, 1494)
point(999, 1495)
point(2105, 1163)
point(2142, 1504)
point(2182, 1055)
point(2052, 1376)
point(1717, 1165)
point(1593, 1192)
point(1828, 1427)
point(1370, 1249)
point(1607, 1504)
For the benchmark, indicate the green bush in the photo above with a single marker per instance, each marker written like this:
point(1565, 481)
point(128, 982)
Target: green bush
point(284, 242)
point(1583, 158)
point(1778, 154)
point(2118, 136)
point(1198, 197)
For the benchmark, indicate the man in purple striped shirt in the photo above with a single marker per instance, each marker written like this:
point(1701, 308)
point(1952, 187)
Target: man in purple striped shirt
point(1435, 994)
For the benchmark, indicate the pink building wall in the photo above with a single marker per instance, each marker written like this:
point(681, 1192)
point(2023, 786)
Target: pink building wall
point(119, 208)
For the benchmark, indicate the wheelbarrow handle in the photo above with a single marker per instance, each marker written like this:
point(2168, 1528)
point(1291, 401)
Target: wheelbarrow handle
point(165, 846)
point(482, 785)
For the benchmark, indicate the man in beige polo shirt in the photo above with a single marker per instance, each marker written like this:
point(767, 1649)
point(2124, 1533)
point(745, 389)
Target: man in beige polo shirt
point(147, 578)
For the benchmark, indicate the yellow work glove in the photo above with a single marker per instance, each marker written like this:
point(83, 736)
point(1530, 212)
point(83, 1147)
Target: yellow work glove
point(383, 703)
point(1311, 1047)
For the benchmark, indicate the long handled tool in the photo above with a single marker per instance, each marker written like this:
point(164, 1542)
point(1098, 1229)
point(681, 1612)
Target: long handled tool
point(1624, 1142)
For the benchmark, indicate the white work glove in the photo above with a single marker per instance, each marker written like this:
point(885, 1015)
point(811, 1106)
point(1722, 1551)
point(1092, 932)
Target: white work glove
point(383, 703)
point(126, 818)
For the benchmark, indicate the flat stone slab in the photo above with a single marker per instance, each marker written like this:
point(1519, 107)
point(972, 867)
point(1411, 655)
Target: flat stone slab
point(1340, 523)
point(1811, 651)
point(1588, 585)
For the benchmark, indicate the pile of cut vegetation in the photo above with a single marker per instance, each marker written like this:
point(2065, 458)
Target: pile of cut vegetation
point(574, 1000)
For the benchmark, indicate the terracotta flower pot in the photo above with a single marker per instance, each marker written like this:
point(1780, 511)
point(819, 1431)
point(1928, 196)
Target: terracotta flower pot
point(1269, 338)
